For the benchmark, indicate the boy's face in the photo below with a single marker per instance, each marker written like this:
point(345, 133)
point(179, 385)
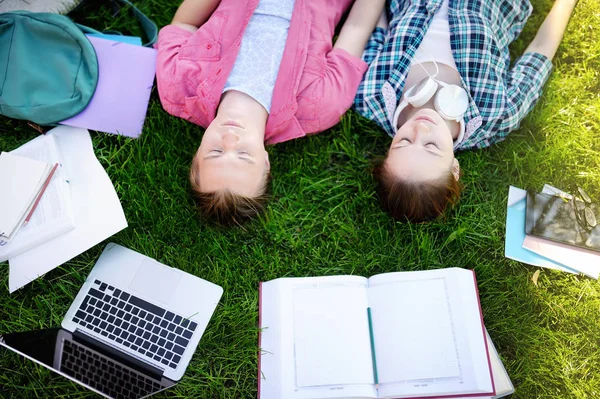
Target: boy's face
point(231, 158)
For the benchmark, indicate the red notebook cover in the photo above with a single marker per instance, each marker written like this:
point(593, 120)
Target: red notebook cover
point(259, 334)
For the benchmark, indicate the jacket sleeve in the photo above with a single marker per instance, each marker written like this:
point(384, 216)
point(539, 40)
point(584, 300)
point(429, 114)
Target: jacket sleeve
point(334, 91)
point(170, 40)
point(525, 82)
point(374, 45)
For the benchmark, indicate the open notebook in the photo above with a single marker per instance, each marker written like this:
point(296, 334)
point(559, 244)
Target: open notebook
point(424, 338)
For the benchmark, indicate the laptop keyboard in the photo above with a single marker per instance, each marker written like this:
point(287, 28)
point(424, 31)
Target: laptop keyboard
point(135, 323)
point(103, 374)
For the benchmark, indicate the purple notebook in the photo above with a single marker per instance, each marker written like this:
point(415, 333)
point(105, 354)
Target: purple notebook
point(120, 101)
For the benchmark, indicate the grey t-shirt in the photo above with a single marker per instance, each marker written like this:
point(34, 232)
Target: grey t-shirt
point(257, 64)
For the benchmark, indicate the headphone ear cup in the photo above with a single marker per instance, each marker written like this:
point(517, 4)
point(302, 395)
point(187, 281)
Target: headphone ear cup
point(451, 102)
point(418, 95)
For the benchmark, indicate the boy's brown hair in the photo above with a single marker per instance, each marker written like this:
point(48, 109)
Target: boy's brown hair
point(226, 207)
point(417, 201)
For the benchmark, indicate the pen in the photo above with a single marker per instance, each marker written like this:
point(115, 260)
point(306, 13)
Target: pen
point(37, 200)
point(376, 377)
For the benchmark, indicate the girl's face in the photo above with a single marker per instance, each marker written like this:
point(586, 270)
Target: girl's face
point(422, 148)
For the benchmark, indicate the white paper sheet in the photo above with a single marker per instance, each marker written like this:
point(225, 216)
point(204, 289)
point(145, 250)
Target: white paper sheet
point(96, 207)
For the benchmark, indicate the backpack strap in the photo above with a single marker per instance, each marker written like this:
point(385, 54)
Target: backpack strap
point(87, 29)
point(148, 26)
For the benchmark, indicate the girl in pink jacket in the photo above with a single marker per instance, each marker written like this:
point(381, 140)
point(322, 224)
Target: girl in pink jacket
point(254, 72)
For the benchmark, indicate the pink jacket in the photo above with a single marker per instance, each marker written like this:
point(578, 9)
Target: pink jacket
point(315, 86)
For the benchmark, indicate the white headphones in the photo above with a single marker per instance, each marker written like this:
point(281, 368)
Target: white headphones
point(451, 101)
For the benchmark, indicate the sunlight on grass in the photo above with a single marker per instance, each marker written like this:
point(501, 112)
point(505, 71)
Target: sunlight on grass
point(323, 219)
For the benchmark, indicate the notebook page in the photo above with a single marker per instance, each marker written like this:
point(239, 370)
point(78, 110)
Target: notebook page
point(53, 215)
point(20, 179)
point(318, 345)
point(421, 332)
point(330, 334)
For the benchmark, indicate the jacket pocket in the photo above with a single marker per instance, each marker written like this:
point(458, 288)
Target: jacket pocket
point(205, 44)
point(195, 111)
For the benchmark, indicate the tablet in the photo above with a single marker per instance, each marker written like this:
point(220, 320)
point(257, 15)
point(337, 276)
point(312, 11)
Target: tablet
point(554, 218)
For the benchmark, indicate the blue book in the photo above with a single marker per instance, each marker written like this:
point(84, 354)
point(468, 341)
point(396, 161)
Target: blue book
point(136, 41)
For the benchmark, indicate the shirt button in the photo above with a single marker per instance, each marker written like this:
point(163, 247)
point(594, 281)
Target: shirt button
point(208, 46)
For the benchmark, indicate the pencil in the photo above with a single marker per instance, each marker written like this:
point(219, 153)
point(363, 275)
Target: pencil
point(375, 376)
point(37, 200)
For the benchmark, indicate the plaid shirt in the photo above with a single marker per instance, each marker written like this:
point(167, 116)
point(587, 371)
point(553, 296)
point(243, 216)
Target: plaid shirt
point(480, 32)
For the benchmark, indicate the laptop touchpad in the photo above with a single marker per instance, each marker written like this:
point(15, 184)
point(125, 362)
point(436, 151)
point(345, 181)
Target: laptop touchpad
point(155, 281)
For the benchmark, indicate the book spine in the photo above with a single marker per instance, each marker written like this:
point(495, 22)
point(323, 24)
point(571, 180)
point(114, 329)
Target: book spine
point(259, 336)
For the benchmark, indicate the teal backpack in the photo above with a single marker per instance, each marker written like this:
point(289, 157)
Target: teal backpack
point(48, 67)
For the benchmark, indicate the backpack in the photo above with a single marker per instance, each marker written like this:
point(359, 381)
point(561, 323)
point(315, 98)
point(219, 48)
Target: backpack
point(48, 68)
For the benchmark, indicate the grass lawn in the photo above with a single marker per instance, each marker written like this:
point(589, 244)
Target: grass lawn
point(323, 219)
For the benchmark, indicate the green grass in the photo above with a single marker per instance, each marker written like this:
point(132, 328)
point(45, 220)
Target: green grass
point(323, 219)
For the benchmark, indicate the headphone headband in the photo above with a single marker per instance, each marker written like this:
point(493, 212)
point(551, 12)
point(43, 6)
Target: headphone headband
point(450, 102)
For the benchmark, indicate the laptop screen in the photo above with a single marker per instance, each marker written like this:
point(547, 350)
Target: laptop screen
point(86, 363)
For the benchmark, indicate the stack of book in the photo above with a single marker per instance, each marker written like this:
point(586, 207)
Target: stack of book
point(24, 180)
point(553, 229)
point(37, 207)
point(394, 335)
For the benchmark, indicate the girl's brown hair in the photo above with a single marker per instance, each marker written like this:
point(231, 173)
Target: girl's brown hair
point(417, 201)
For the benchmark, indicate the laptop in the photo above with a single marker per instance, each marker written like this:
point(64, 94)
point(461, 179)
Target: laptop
point(130, 332)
